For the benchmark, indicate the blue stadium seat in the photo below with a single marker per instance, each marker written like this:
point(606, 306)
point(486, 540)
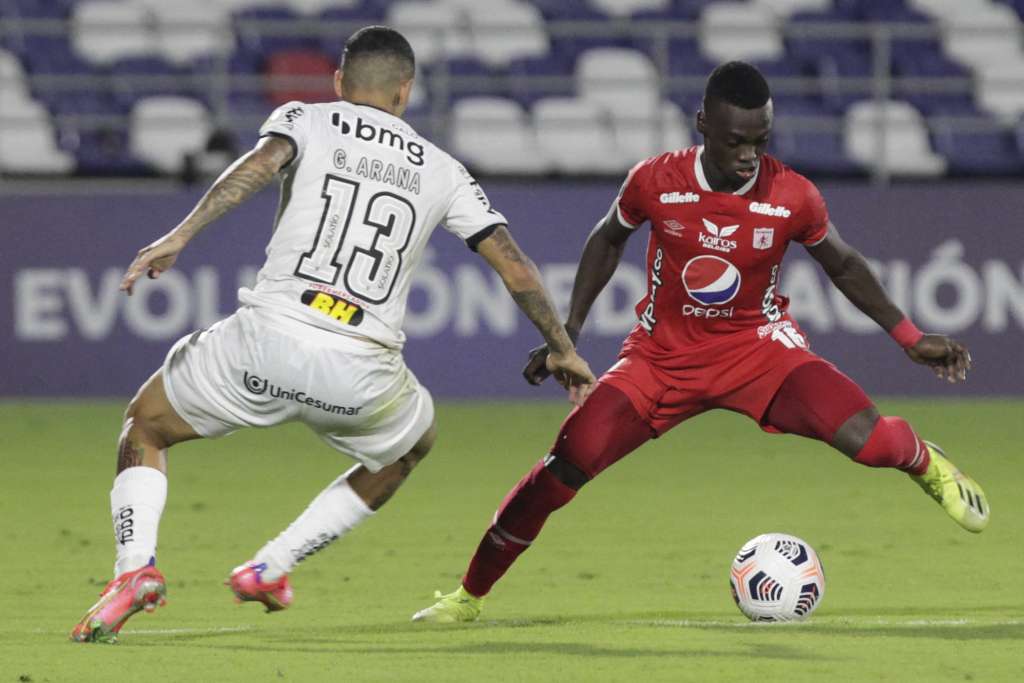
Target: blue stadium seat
point(266, 39)
point(136, 77)
point(555, 65)
point(978, 153)
point(576, 10)
point(814, 151)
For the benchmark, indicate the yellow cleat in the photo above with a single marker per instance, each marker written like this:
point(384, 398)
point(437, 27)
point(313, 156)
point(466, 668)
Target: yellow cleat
point(959, 495)
point(451, 608)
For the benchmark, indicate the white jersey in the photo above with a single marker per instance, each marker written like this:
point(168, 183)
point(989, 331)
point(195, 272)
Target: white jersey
point(358, 203)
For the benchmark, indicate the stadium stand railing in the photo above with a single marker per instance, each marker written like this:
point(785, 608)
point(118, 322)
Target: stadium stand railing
point(536, 89)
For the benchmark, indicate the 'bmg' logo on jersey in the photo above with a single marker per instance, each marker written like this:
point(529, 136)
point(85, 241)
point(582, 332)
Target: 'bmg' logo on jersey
point(367, 132)
point(711, 280)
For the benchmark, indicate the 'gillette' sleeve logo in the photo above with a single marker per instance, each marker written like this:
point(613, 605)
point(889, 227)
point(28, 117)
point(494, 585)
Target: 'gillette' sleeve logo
point(766, 209)
point(679, 198)
point(367, 132)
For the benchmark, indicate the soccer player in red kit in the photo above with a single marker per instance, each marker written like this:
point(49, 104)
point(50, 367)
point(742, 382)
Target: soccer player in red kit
point(714, 332)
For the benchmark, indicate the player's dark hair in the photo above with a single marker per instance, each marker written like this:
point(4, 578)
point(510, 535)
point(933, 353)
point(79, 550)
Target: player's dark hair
point(376, 55)
point(739, 84)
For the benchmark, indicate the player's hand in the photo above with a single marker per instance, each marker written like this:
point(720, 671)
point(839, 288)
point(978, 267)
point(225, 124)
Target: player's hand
point(153, 260)
point(948, 359)
point(536, 370)
point(573, 373)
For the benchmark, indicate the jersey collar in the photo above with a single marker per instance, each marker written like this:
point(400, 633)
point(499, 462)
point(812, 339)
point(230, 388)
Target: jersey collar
point(698, 170)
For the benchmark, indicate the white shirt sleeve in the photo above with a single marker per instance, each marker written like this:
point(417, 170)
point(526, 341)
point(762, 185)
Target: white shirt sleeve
point(469, 214)
point(292, 122)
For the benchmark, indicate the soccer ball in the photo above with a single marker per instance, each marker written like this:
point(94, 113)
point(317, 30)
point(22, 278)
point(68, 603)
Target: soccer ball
point(777, 577)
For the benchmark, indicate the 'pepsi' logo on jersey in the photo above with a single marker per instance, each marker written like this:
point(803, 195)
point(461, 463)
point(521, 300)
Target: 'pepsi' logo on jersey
point(711, 280)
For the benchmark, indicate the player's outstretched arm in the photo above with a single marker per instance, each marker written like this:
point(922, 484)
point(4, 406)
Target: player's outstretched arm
point(600, 258)
point(522, 279)
point(851, 274)
point(248, 175)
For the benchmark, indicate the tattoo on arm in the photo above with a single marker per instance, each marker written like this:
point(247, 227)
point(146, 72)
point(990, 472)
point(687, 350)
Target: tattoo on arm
point(509, 249)
point(538, 308)
point(247, 176)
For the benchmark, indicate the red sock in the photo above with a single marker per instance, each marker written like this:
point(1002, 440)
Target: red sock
point(894, 444)
point(516, 524)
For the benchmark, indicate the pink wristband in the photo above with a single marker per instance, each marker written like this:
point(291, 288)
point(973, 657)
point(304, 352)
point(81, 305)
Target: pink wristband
point(906, 333)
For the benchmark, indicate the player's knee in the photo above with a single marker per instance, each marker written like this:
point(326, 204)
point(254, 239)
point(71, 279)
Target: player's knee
point(854, 434)
point(566, 472)
point(423, 446)
point(151, 420)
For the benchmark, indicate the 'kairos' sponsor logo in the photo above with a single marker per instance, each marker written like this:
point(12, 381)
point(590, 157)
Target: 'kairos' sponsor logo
point(367, 132)
point(716, 236)
point(259, 386)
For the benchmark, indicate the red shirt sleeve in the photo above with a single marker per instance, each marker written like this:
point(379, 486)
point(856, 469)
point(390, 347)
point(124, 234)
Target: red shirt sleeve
point(812, 221)
point(631, 203)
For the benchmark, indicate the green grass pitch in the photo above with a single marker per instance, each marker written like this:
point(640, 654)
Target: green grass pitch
point(627, 583)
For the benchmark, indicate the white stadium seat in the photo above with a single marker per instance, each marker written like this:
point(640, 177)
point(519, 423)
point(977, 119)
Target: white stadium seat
point(784, 8)
point(623, 8)
point(27, 139)
point(164, 129)
point(188, 29)
point(661, 131)
point(12, 77)
point(906, 148)
point(434, 29)
point(733, 30)
point(503, 31)
point(999, 89)
point(621, 80)
point(493, 134)
point(311, 7)
point(575, 135)
point(105, 31)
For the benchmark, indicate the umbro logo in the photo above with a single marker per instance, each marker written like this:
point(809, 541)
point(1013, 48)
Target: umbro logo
point(716, 236)
point(673, 227)
point(679, 198)
point(766, 209)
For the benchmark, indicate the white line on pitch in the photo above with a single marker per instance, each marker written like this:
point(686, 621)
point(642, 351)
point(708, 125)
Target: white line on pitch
point(180, 631)
point(830, 622)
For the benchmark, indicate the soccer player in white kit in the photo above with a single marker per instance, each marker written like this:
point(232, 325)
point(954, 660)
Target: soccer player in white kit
point(318, 339)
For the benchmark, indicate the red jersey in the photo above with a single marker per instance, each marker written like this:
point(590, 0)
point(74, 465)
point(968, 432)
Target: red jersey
point(713, 258)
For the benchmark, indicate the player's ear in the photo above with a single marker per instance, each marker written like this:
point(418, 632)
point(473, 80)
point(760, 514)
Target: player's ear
point(337, 82)
point(702, 125)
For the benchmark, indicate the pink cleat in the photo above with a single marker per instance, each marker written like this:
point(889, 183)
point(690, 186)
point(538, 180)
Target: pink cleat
point(247, 584)
point(142, 589)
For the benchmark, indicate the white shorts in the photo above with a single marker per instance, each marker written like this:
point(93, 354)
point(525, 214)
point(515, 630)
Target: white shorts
point(255, 369)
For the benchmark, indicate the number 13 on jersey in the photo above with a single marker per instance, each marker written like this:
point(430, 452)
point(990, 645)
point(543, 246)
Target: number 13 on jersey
point(368, 249)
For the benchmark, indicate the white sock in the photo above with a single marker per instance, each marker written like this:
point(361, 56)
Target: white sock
point(136, 503)
point(330, 516)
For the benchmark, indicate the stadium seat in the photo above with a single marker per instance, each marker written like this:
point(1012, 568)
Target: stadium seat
point(905, 148)
point(434, 29)
point(266, 29)
point(784, 8)
point(624, 8)
point(621, 80)
point(103, 31)
point(27, 139)
point(131, 79)
point(662, 130)
point(304, 75)
point(164, 129)
point(493, 135)
point(12, 77)
point(980, 148)
point(1000, 90)
point(311, 7)
point(732, 30)
point(503, 31)
point(575, 136)
point(190, 29)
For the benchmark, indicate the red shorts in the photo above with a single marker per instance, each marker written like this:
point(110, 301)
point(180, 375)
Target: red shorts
point(741, 372)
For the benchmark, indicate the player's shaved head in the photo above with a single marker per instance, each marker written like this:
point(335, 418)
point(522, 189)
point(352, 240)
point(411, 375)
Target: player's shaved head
point(377, 59)
point(739, 84)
